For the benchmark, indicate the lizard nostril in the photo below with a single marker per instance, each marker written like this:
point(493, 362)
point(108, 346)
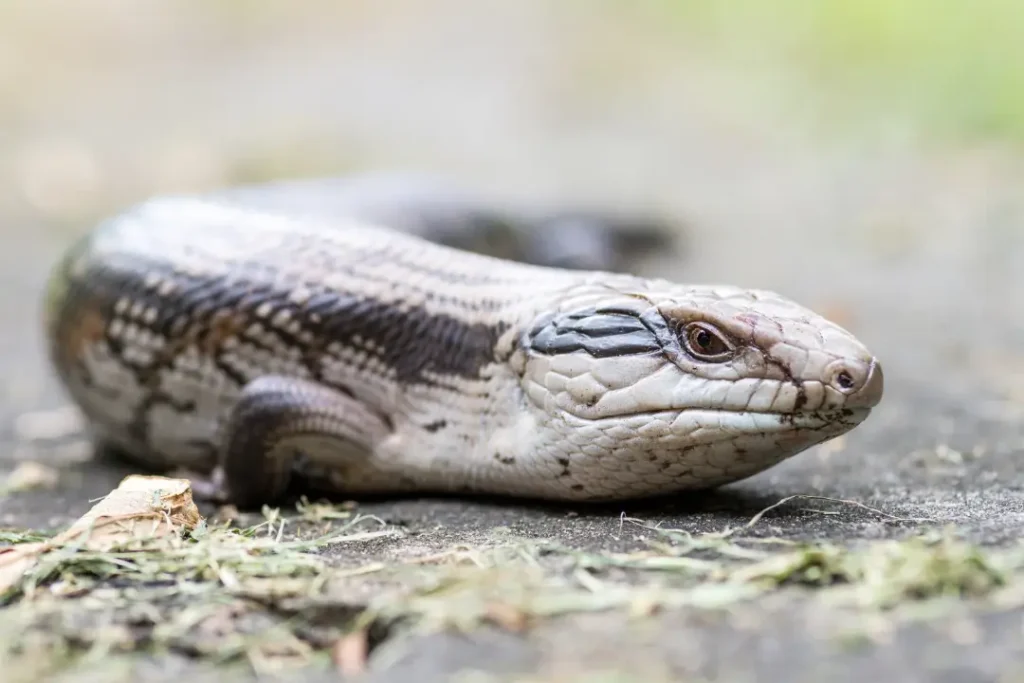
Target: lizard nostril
point(847, 378)
point(862, 384)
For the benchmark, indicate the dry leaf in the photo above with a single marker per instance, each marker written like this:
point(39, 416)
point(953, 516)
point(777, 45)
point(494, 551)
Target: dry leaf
point(139, 508)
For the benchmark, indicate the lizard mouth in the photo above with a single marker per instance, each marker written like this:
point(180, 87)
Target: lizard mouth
point(710, 425)
point(796, 419)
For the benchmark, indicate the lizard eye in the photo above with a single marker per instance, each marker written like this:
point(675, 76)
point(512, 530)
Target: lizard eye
point(706, 343)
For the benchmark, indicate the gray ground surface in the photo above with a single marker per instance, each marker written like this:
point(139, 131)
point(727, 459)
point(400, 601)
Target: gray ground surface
point(917, 251)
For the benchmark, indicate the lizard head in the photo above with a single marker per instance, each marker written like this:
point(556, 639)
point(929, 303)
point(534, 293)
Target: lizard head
point(649, 387)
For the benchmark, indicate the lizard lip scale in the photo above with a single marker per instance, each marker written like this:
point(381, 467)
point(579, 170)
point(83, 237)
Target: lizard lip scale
point(251, 343)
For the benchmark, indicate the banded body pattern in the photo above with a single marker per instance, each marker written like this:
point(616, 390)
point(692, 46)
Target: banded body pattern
point(164, 315)
point(195, 331)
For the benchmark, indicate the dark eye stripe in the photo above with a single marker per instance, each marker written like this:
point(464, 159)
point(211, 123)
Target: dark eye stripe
point(604, 325)
point(599, 334)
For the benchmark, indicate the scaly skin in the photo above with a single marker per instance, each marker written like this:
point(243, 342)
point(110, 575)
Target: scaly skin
point(197, 332)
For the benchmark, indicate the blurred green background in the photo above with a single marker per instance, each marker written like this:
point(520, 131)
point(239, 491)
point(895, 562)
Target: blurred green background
point(947, 72)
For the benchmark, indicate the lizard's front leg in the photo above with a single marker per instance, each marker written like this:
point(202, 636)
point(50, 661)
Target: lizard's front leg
point(276, 419)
